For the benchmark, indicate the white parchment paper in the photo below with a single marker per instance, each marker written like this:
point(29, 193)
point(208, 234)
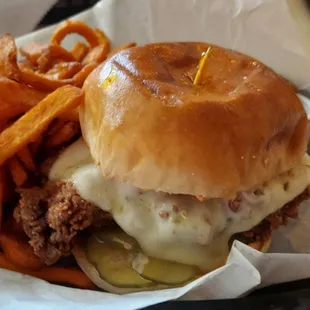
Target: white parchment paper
point(21, 16)
point(260, 28)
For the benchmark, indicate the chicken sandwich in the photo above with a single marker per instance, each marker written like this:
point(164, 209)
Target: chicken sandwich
point(170, 172)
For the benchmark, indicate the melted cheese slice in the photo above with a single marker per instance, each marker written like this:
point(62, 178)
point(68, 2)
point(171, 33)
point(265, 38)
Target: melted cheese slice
point(176, 227)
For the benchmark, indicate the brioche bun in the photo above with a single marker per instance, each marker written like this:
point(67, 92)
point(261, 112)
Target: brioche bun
point(148, 125)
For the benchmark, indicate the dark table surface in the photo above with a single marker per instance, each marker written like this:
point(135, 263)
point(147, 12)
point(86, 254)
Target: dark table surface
point(287, 296)
point(65, 8)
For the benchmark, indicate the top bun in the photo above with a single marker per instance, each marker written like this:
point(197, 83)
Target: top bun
point(148, 125)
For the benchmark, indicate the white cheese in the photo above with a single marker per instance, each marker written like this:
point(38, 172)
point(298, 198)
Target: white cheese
point(176, 227)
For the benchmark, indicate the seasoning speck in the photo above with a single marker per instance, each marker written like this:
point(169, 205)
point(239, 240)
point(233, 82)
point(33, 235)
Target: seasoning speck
point(127, 246)
point(164, 214)
point(200, 198)
point(206, 219)
point(258, 192)
point(290, 173)
point(285, 186)
point(175, 208)
point(183, 214)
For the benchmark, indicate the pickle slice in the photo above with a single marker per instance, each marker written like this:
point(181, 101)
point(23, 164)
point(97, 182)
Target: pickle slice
point(113, 262)
point(120, 261)
point(163, 271)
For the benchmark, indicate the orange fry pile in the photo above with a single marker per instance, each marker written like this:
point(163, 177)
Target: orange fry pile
point(40, 92)
point(18, 256)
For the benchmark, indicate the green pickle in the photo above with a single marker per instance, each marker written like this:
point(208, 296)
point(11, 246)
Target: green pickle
point(120, 261)
point(165, 272)
point(113, 263)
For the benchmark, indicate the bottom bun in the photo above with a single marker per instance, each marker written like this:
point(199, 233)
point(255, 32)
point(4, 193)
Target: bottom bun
point(90, 270)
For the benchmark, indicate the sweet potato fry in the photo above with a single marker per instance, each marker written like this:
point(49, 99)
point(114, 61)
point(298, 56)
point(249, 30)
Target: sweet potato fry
point(15, 92)
point(59, 275)
point(72, 115)
point(71, 26)
point(19, 252)
point(2, 189)
point(55, 126)
point(79, 51)
point(5, 263)
point(30, 126)
point(123, 47)
point(32, 51)
point(50, 55)
point(9, 111)
point(25, 157)
point(40, 81)
point(34, 146)
point(6, 184)
point(97, 54)
point(45, 82)
point(22, 72)
point(18, 172)
point(8, 52)
point(103, 39)
point(16, 98)
point(65, 70)
point(3, 123)
point(62, 275)
point(13, 226)
point(26, 63)
point(63, 135)
point(81, 76)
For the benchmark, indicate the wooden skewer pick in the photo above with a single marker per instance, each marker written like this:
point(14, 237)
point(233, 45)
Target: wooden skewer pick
point(201, 65)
